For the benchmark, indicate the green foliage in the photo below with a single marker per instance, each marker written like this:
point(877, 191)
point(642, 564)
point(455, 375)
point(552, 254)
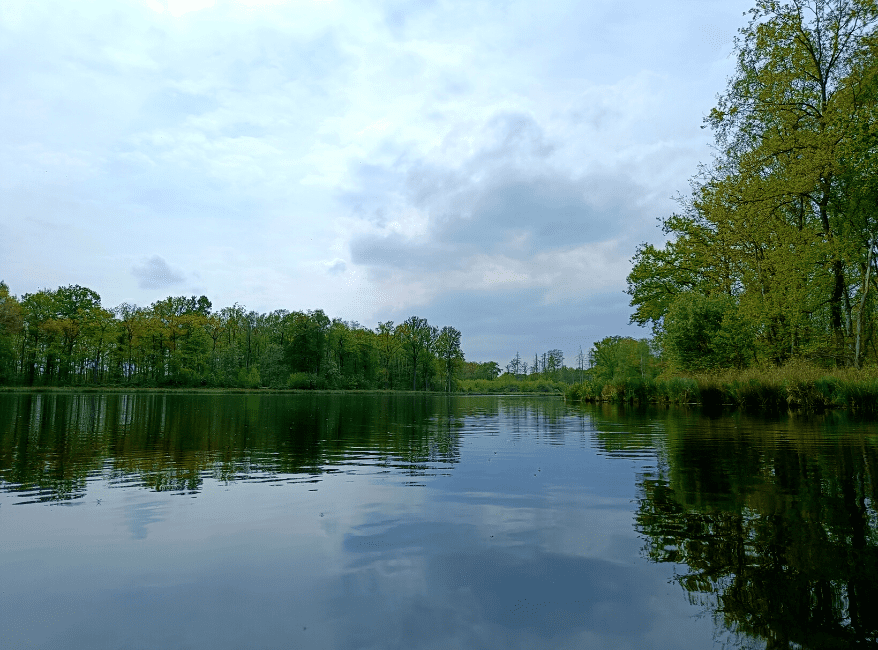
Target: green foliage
point(508, 385)
point(797, 387)
point(783, 220)
point(301, 381)
point(64, 337)
point(418, 341)
point(618, 359)
point(706, 332)
point(10, 326)
point(249, 378)
point(473, 370)
point(449, 354)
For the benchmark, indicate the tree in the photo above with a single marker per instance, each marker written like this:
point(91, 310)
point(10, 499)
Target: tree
point(418, 338)
point(305, 346)
point(11, 325)
point(389, 341)
point(786, 117)
point(450, 354)
point(703, 333)
point(618, 359)
point(514, 366)
point(773, 223)
point(580, 363)
point(489, 370)
point(554, 361)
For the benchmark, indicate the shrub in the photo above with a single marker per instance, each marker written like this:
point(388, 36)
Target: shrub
point(300, 381)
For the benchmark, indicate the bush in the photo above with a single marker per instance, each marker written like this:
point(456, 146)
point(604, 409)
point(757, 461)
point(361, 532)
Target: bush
point(301, 381)
point(706, 332)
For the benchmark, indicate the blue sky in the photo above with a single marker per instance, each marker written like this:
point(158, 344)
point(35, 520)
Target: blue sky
point(486, 165)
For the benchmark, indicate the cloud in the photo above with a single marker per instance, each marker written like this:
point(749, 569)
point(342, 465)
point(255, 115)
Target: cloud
point(156, 274)
point(506, 215)
point(438, 150)
point(336, 267)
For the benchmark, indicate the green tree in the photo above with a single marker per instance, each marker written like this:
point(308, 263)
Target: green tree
point(784, 123)
point(11, 325)
point(418, 339)
point(778, 221)
point(449, 353)
point(706, 332)
point(617, 359)
point(389, 342)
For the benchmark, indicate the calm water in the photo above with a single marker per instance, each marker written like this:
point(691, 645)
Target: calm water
point(336, 521)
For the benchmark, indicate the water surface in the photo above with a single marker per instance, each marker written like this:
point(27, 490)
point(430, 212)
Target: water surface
point(380, 521)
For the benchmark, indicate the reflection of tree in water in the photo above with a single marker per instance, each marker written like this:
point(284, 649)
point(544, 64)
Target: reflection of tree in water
point(542, 417)
point(778, 532)
point(51, 443)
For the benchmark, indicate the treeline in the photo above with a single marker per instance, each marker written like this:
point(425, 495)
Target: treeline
point(65, 337)
point(545, 374)
point(546, 367)
point(773, 256)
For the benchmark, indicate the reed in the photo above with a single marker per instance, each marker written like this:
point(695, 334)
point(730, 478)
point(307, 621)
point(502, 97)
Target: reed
point(509, 385)
point(796, 386)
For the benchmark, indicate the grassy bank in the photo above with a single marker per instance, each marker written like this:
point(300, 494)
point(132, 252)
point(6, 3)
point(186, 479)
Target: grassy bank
point(506, 385)
point(464, 387)
point(797, 386)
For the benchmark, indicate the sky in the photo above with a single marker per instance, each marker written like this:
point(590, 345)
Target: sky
point(486, 165)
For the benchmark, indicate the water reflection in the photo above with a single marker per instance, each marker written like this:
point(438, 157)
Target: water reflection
point(379, 521)
point(774, 526)
point(50, 444)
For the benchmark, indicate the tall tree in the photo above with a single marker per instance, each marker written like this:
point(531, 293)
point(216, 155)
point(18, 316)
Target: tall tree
point(418, 338)
point(389, 342)
point(450, 354)
point(785, 118)
point(771, 222)
point(10, 326)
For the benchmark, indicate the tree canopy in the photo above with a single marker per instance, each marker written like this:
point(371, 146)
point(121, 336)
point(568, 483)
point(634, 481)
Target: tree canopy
point(783, 223)
point(65, 337)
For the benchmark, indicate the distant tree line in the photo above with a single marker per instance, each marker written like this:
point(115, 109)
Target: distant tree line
point(548, 365)
point(65, 337)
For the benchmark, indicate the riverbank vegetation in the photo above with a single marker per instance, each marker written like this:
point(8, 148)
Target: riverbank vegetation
point(765, 290)
point(772, 256)
point(763, 294)
point(796, 386)
point(65, 337)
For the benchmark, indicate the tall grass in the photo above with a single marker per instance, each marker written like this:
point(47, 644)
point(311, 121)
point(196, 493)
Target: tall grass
point(797, 386)
point(506, 385)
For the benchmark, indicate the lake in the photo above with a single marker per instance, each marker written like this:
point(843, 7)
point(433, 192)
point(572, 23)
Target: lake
point(177, 520)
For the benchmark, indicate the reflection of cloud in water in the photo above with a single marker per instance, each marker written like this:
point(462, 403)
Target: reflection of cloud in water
point(447, 585)
point(140, 515)
point(546, 593)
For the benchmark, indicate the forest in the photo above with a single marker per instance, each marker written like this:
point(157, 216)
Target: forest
point(65, 337)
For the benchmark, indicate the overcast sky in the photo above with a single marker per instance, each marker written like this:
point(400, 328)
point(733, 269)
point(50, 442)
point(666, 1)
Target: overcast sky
point(486, 165)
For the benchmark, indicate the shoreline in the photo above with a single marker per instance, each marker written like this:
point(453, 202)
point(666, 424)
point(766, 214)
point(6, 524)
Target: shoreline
point(258, 391)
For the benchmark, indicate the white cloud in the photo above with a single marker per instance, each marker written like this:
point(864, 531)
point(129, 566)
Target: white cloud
point(356, 156)
point(155, 273)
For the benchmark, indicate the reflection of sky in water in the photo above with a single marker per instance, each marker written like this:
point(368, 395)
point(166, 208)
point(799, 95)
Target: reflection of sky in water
point(141, 515)
point(526, 542)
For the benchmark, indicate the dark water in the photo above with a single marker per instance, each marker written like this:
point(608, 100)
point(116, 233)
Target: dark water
point(353, 521)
